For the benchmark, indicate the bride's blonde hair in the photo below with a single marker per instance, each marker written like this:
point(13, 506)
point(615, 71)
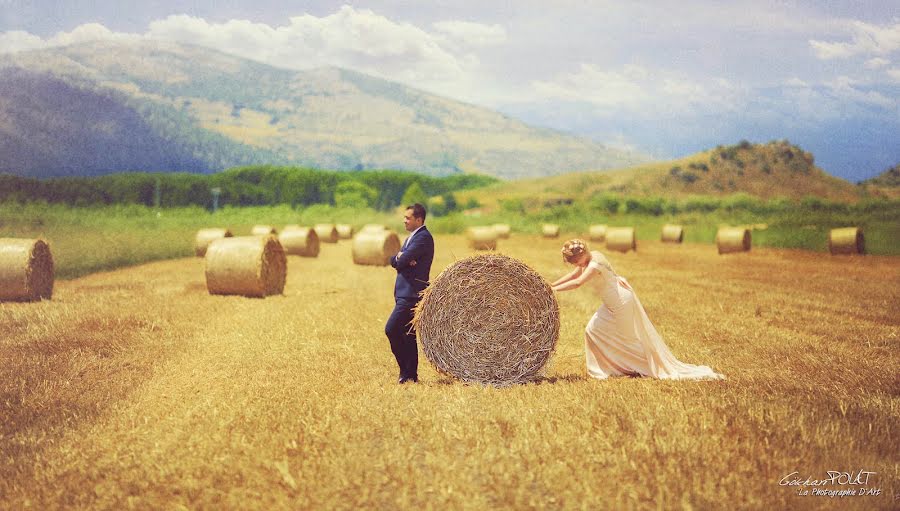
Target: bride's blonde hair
point(573, 249)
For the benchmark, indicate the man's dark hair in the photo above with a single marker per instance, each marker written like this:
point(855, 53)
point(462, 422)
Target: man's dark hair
point(418, 211)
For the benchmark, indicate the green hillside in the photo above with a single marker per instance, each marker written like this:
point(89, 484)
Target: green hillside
point(194, 109)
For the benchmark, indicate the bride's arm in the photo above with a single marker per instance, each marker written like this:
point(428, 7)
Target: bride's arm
point(568, 276)
point(575, 282)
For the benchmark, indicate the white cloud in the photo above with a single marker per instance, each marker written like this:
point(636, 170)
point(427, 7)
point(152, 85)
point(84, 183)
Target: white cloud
point(470, 33)
point(894, 73)
point(877, 63)
point(441, 60)
point(866, 39)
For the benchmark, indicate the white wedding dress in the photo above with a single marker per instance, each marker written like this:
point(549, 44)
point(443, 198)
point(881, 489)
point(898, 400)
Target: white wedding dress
point(620, 340)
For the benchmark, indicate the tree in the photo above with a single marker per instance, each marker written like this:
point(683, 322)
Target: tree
point(353, 194)
point(414, 194)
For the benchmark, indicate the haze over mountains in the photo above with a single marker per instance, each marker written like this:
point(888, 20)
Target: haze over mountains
point(104, 107)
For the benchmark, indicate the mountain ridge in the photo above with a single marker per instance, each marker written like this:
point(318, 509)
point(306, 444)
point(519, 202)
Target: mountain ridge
point(222, 111)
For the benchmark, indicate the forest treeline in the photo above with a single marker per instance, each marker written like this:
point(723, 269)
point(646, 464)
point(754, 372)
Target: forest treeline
point(244, 186)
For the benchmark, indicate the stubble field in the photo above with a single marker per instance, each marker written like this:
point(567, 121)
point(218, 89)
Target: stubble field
point(136, 389)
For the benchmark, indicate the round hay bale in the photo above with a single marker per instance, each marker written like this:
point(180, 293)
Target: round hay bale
point(846, 240)
point(26, 270)
point(263, 230)
point(488, 319)
point(503, 230)
point(597, 233)
point(550, 230)
point(301, 241)
point(327, 233)
point(345, 231)
point(375, 248)
point(246, 265)
point(205, 236)
point(621, 239)
point(288, 227)
point(672, 233)
point(482, 238)
point(733, 239)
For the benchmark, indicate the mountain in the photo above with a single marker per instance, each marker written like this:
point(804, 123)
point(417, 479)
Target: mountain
point(777, 169)
point(101, 107)
point(886, 184)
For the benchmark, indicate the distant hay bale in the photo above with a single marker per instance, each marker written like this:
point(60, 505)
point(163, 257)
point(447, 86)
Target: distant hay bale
point(621, 239)
point(263, 230)
point(846, 240)
point(482, 238)
point(733, 239)
point(503, 230)
point(374, 227)
point(26, 270)
point(672, 233)
point(327, 233)
point(205, 237)
point(550, 230)
point(345, 231)
point(597, 233)
point(375, 248)
point(246, 265)
point(288, 227)
point(488, 319)
point(301, 241)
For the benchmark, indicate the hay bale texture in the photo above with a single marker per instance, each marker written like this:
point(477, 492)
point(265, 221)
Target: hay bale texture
point(374, 227)
point(301, 241)
point(488, 319)
point(733, 239)
point(550, 230)
point(327, 233)
point(621, 239)
point(672, 233)
point(846, 240)
point(597, 233)
point(206, 236)
point(482, 238)
point(374, 247)
point(345, 231)
point(263, 230)
point(26, 270)
point(503, 230)
point(246, 265)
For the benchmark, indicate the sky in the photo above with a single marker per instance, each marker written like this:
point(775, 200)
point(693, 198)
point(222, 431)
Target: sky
point(666, 78)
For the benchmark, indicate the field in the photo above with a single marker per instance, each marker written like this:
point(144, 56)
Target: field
point(134, 388)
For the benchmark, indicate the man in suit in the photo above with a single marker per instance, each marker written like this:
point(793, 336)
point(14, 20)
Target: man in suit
point(413, 264)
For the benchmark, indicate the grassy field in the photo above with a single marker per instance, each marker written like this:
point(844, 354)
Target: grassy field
point(86, 240)
point(136, 389)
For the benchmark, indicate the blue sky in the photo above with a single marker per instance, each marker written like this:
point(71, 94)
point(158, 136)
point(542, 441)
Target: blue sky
point(667, 78)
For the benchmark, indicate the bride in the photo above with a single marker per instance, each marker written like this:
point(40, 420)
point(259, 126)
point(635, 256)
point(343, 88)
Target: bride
point(619, 338)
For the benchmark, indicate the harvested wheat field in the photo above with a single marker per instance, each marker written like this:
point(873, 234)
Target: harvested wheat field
point(138, 389)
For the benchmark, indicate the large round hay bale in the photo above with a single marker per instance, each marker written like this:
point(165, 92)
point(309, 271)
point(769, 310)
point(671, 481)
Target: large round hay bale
point(327, 233)
point(503, 230)
point(375, 248)
point(621, 239)
point(205, 237)
point(26, 270)
point(488, 319)
point(345, 231)
point(672, 233)
point(246, 265)
point(482, 238)
point(550, 230)
point(846, 240)
point(733, 239)
point(597, 233)
point(263, 230)
point(301, 241)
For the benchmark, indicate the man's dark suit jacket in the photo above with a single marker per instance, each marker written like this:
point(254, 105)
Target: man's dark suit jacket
point(412, 280)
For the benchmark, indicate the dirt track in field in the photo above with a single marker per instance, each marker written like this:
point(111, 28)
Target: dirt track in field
point(138, 387)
